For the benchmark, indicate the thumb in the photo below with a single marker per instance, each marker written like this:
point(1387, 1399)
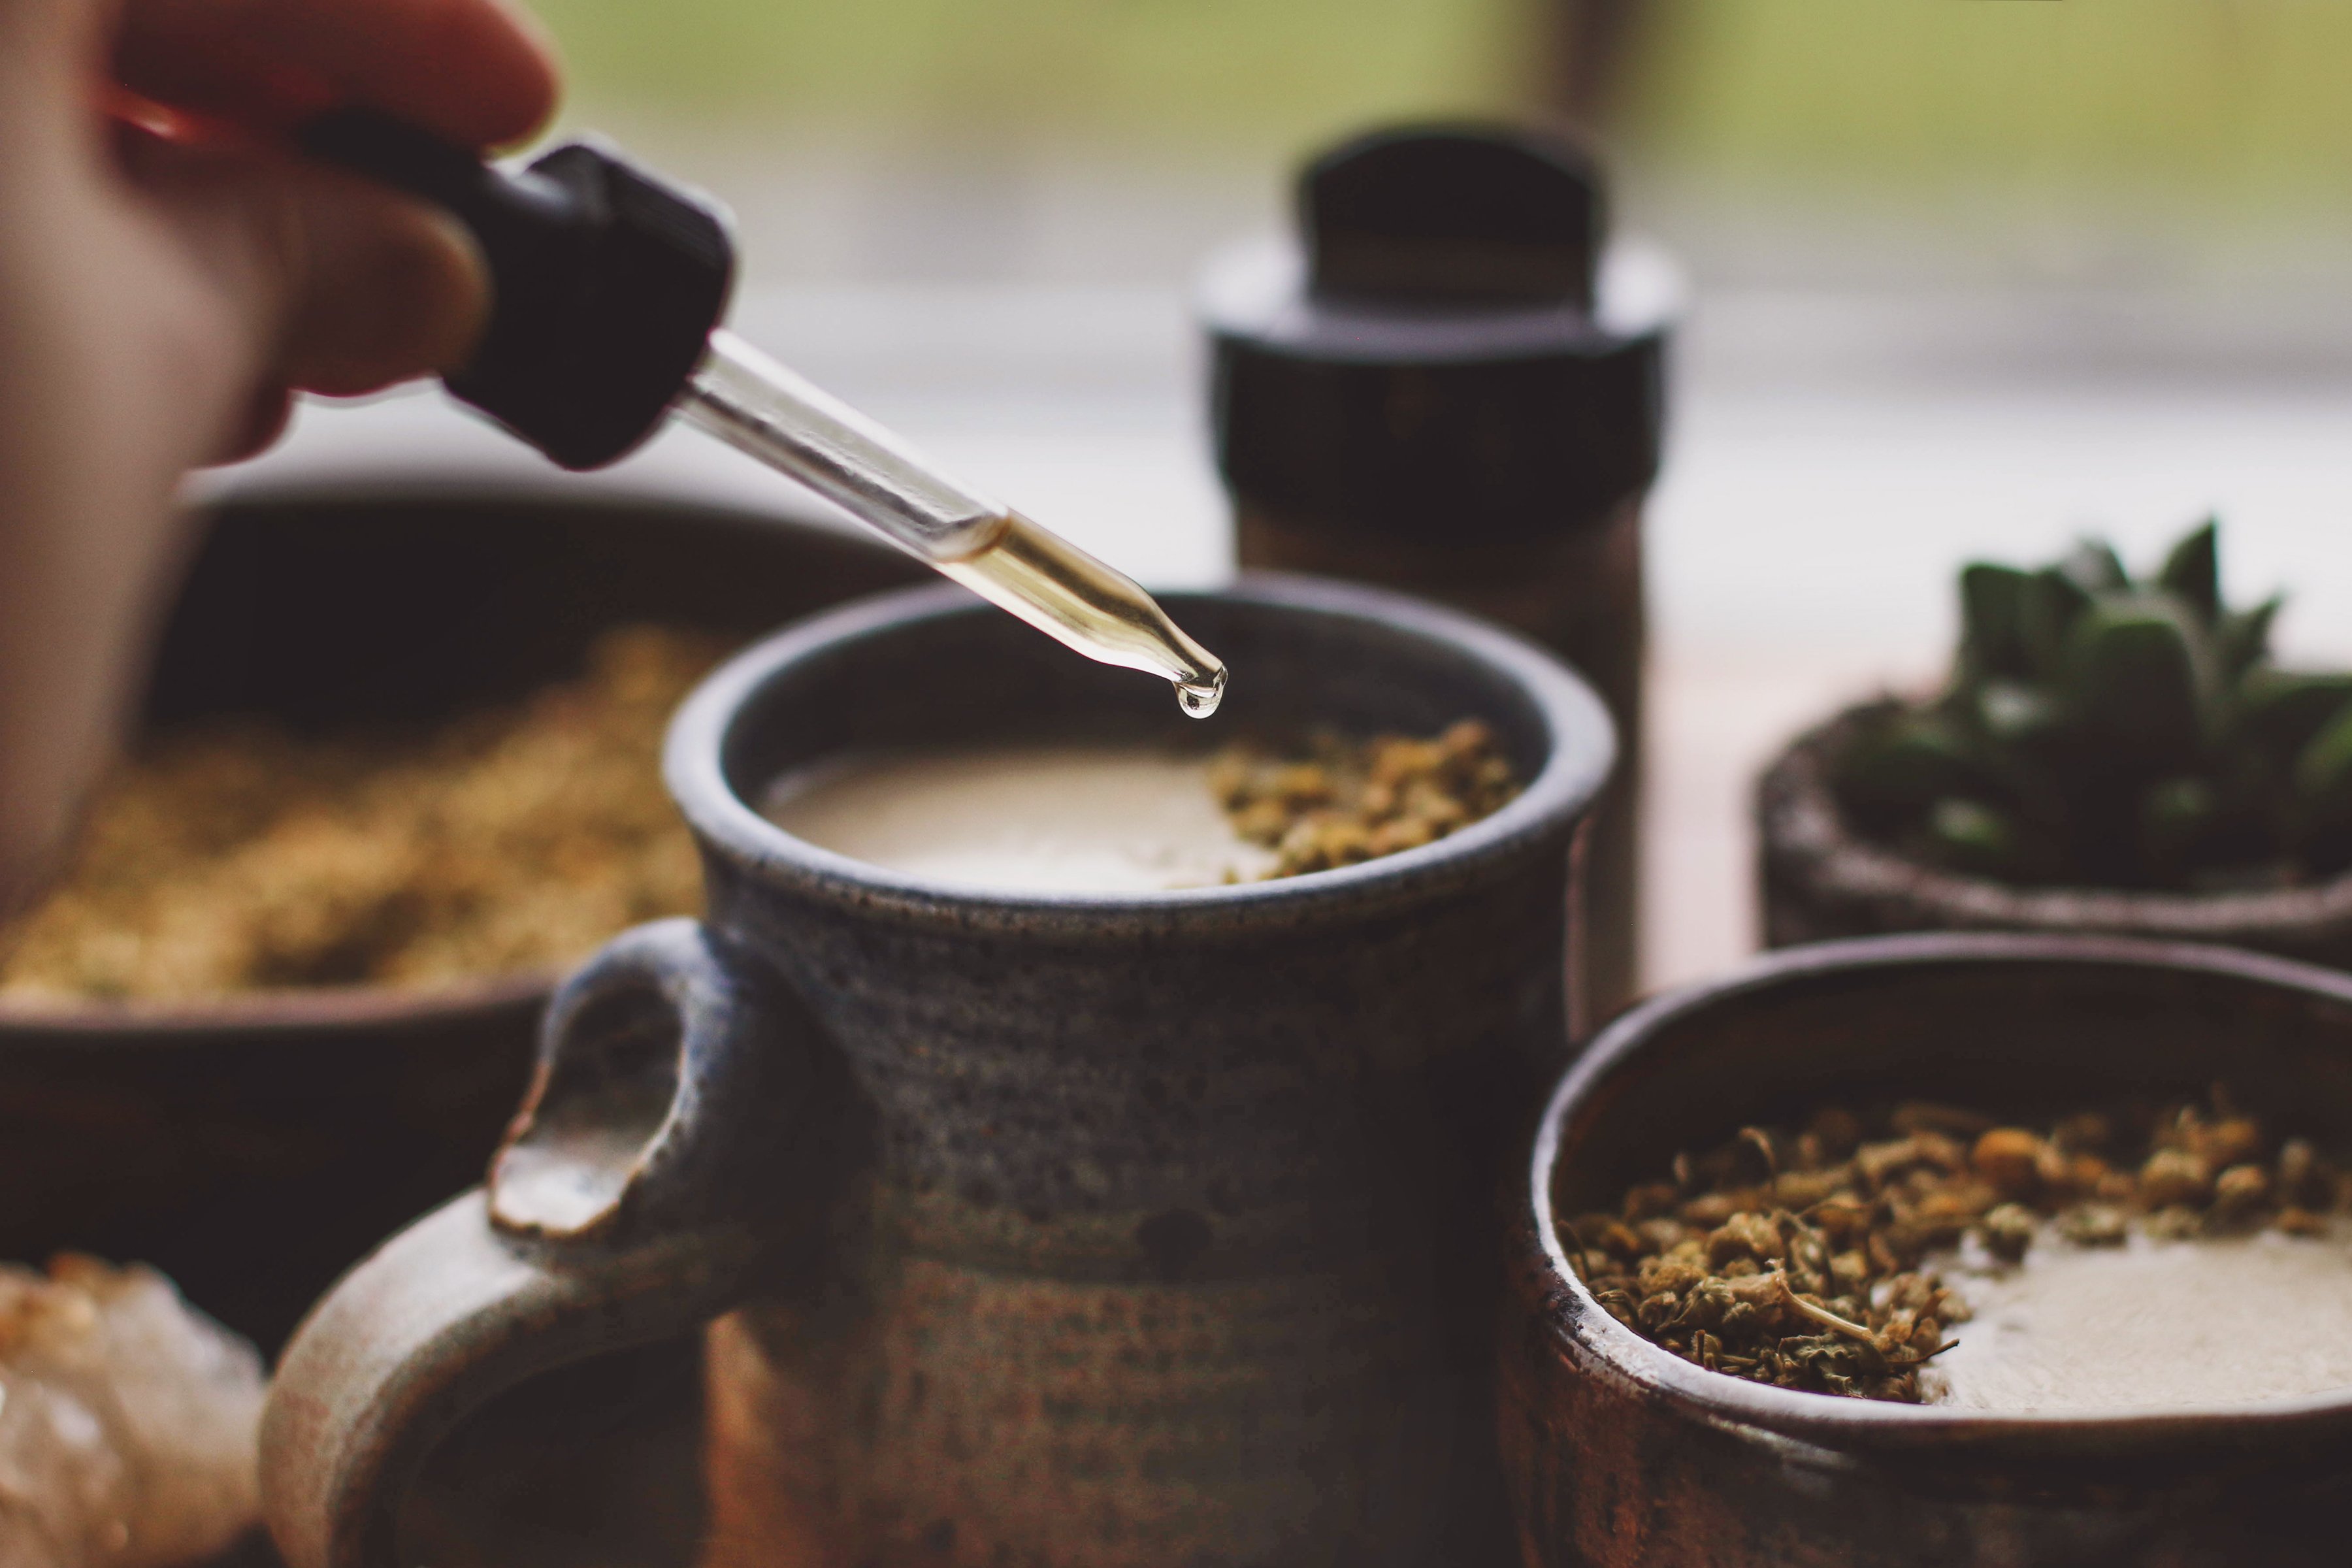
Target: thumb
point(341, 286)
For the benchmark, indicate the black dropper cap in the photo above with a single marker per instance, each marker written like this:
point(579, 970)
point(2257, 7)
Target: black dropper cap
point(1428, 363)
point(605, 281)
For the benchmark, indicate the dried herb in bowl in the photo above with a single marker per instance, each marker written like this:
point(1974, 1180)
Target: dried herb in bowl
point(1823, 1259)
point(1348, 800)
point(239, 857)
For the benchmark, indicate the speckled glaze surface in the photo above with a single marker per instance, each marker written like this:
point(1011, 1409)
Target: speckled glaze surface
point(1622, 1456)
point(1148, 1229)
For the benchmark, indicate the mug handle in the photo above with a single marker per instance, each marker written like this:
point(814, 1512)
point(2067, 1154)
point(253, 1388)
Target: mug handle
point(669, 1144)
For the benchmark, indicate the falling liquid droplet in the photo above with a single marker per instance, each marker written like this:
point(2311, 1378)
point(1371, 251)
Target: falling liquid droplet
point(1199, 697)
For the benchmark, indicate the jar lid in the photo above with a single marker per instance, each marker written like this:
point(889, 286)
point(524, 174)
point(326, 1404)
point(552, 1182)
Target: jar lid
point(1444, 352)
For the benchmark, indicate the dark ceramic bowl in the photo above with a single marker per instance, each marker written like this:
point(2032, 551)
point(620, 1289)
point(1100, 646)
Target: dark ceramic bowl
point(1621, 1454)
point(254, 1146)
point(1822, 879)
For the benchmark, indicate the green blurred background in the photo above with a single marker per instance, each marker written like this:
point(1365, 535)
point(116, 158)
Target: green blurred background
point(2242, 102)
point(1194, 74)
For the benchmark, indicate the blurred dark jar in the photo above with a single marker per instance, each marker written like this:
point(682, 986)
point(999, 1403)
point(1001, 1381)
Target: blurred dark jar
point(1439, 387)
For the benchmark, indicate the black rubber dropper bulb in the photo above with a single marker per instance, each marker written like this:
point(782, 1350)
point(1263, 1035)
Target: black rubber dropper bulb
point(608, 287)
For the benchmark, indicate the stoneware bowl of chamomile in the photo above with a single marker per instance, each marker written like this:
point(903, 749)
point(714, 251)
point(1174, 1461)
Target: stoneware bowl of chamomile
point(255, 1145)
point(1621, 1455)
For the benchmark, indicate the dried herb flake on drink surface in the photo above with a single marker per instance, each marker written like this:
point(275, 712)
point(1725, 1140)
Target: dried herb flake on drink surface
point(1347, 800)
point(1815, 1259)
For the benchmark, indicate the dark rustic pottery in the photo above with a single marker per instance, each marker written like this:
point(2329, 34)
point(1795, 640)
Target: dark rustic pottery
point(1079, 1229)
point(254, 1146)
point(1822, 879)
point(1621, 1454)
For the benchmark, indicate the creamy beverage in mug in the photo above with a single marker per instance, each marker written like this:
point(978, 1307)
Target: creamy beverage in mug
point(1040, 818)
point(2154, 1325)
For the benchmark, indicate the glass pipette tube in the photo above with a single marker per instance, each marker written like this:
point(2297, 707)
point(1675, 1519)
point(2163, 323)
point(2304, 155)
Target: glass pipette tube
point(758, 406)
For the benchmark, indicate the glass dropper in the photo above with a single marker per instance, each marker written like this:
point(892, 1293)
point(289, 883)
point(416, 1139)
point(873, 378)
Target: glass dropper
point(608, 285)
point(760, 407)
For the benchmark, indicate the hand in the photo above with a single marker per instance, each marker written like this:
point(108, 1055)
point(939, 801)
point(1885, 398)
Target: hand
point(160, 302)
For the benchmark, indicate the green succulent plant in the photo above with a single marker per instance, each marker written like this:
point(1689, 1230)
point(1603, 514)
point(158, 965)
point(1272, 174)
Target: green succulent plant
point(2103, 731)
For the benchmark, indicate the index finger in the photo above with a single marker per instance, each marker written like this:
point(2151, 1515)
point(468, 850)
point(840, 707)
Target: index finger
point(470, 70)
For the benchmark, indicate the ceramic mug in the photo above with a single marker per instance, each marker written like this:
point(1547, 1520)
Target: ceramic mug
point(1056, 1229)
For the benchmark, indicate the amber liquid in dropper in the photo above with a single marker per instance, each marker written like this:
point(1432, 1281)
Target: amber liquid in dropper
point(1071, 596)
point(755, 404)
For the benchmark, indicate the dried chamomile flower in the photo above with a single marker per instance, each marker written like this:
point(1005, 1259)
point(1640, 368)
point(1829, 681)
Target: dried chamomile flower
point(2009, 1229)
point(239, 855)
point(2011, 1159)
point(2094, 1224)
point(1809, 1259)
point(1355, 800)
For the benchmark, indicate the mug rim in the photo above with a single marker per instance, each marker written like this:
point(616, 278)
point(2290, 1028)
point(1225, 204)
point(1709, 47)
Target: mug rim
point(1569, 1313)
point(1580, 753)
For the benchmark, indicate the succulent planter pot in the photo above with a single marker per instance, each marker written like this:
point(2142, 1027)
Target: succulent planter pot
point(1621, 1455)
point(254, 1146)
point(1822, 879)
